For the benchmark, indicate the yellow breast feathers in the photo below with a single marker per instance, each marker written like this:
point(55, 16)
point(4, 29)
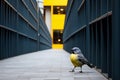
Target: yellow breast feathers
point(74, 60)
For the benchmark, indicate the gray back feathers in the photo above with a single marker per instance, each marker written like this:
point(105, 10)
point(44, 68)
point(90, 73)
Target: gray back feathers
point(81, 57)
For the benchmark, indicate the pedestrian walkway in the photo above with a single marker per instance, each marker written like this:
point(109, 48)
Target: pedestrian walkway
point(45, 65)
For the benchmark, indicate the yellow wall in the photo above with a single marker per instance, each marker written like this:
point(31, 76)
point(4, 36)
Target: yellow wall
point(57, 20)
point(55, 2)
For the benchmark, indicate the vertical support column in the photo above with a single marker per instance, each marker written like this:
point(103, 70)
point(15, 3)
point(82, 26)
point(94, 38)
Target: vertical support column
point(109, 59)
point(92, 43)
point(7, 43)
point(96, 43)
point(103, 46)
point(38, 34)
point(85, 41)
point(3, 44)
point(98, 57)
point(0, 11)
point(0, 30)
point(0, 43)
point(87, 28)
point(116, 40)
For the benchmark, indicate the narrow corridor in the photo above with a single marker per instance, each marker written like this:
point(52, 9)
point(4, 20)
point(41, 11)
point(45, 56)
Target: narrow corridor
point(49, 64)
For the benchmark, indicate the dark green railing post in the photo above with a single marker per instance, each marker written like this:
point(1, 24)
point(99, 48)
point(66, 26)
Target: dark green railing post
point(116, 40)
point(87, 29)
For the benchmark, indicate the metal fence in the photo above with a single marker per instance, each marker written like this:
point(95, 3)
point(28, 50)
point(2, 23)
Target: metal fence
point(88, 25)
point(22, 28)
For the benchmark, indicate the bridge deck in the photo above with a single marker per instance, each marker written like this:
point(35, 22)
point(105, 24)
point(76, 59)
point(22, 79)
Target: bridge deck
point(44, 65)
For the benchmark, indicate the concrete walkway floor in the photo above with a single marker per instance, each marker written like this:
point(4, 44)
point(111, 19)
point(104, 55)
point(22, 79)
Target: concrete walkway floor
point(45, 65)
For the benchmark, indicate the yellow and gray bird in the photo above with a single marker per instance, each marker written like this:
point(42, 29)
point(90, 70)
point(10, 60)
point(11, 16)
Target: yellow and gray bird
point(78, 59)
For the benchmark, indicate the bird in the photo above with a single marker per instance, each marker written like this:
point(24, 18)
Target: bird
point(78, 59)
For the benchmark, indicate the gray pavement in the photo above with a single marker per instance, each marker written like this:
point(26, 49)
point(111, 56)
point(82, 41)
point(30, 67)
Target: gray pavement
point(49, 64)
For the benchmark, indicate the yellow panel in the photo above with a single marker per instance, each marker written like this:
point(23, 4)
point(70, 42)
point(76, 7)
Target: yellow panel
point(58, 21)
point(57, 46)
point(55, 2)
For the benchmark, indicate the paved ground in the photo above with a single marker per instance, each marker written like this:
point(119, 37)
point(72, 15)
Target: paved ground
point(44, 65)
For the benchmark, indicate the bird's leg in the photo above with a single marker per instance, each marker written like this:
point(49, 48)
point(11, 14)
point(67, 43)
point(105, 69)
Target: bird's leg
point(73, 69)
point(81, 69)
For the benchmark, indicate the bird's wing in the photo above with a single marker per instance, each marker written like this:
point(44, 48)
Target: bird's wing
point(82, 59)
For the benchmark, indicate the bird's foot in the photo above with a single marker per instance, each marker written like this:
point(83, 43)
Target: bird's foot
point(80, 71)
point(71, 71)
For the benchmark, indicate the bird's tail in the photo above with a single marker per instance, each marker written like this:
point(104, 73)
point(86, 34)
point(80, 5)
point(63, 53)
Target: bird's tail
point(90, 65)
